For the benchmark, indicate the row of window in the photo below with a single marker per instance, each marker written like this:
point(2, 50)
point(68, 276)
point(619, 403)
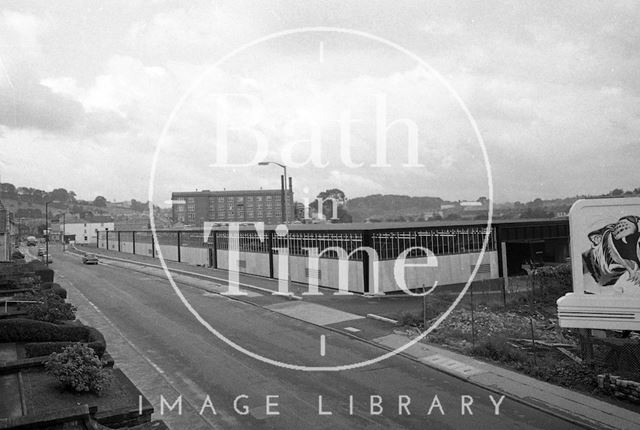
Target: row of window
point(388, 245)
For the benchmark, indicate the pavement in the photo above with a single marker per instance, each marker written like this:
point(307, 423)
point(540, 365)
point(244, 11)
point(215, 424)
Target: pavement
point(350, 315)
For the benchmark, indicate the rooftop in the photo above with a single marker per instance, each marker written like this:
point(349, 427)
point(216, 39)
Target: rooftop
point(225, 193)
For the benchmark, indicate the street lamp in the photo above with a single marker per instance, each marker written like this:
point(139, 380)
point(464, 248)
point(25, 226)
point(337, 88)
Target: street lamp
point(64, 229)
point(283, 206)
point(46, 230)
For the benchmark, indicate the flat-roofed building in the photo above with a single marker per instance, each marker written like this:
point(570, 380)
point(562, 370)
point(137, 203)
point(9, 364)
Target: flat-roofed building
point(196, 207)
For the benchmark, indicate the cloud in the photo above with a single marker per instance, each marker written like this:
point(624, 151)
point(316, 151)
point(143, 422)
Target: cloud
point(31, 105)
point(552, 86)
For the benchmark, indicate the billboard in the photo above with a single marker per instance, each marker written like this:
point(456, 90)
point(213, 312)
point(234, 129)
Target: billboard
point(605, 263)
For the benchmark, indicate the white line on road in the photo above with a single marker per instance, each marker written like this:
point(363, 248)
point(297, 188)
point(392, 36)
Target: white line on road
point(161, 372)
point(322, 345)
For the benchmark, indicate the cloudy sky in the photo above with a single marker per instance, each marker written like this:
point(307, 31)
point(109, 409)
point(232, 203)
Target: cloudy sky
point(91, 93)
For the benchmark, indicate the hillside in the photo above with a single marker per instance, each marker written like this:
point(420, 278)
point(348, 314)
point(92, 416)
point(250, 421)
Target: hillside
point(387, 206)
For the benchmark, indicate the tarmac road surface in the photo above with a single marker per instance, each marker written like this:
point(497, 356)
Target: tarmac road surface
point(167, 353)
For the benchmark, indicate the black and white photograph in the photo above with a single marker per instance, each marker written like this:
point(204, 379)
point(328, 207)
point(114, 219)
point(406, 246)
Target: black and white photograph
point(279, 214)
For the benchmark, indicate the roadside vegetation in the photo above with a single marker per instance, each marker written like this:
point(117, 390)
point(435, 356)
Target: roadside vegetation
point(524, 335)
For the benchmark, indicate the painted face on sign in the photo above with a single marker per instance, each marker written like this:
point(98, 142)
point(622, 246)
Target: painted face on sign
point(615, 250)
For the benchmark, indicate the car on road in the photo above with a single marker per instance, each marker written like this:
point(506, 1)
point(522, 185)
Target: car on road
point(89, 259)
point(46, 257)
point(40, 252)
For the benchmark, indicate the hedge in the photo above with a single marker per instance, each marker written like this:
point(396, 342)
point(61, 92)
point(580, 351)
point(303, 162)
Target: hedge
point(56, 288)
point(45, 273)
point(43, 338)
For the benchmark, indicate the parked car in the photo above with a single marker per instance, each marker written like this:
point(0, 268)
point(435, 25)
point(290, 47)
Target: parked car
point(40, 252)
point(47, 257)
point(89, 259)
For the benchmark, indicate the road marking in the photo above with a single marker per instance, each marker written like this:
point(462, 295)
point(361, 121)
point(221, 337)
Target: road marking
point(352, 329)
point(161, 372)
point(187, 273)
point(425, 354)
point(321, 51)
point(322, 345)
point(313, 313)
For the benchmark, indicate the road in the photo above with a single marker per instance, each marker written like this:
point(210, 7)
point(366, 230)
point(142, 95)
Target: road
point(167, 352)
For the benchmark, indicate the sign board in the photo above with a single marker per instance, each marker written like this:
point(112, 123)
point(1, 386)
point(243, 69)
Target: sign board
point(605, 263)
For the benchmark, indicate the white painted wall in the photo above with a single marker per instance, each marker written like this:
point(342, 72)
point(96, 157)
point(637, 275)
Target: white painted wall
point(451, 269)
point(86, 232)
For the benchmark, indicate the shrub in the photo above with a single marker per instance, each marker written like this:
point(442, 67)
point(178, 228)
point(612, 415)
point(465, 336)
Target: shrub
point(409, 319)
point(79, 368)
point(567, 373)
point(56, 288)
point(42, 338)
point(497, 348)
point(50, 307)
point(41, 270)
point(554, 280)
point(88, 336)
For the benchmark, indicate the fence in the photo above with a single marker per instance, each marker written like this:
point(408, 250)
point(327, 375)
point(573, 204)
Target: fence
point(519, 326)
point(457, 251)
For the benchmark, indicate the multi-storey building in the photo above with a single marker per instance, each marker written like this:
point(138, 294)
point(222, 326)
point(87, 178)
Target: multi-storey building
point(85, 231)
point(196, 207)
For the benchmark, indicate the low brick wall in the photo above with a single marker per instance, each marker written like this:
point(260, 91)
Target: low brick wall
point(619, 387)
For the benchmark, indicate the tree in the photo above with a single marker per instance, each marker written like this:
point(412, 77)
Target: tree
point(59, 194)
point(536, 213)
point(139, 206)
point(331, 197)
point(617, 192)
point(100, 202)
point(8, 191)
